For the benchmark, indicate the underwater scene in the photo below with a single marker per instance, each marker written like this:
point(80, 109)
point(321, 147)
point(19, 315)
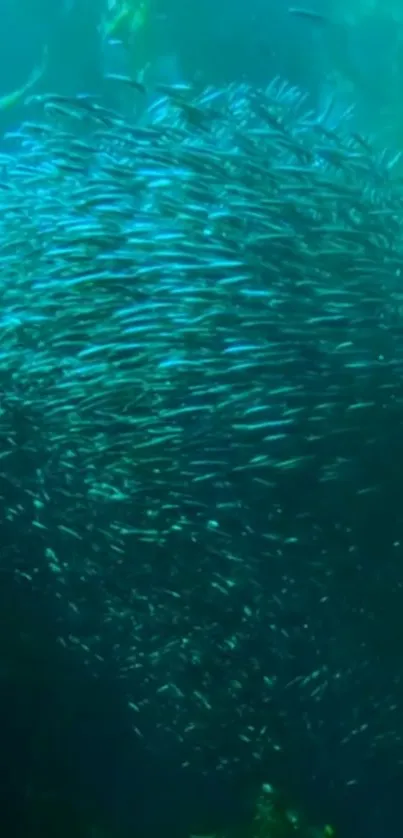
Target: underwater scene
point(201, 419)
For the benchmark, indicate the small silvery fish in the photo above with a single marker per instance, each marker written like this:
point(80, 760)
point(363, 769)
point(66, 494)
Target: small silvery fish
point(201, 369)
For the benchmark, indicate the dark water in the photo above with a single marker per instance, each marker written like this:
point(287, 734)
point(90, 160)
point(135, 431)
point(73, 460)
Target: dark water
point(69, 762)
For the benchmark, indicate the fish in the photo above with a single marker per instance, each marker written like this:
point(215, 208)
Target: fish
point(309, 15)
point(127, 27)
point(201, 370)
point(137, 84)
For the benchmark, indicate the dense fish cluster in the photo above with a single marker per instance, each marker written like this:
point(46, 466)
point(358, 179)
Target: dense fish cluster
point(201, 377)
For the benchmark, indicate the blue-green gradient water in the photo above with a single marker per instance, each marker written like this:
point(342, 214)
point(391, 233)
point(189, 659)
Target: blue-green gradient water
point(201, 414)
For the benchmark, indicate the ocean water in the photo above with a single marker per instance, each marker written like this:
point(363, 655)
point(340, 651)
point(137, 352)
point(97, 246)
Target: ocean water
point(201, 418)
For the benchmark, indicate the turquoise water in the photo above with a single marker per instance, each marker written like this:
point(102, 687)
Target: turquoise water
point(200, 418)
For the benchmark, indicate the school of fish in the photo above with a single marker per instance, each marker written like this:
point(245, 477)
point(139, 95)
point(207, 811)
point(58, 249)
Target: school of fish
point(201, 374)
